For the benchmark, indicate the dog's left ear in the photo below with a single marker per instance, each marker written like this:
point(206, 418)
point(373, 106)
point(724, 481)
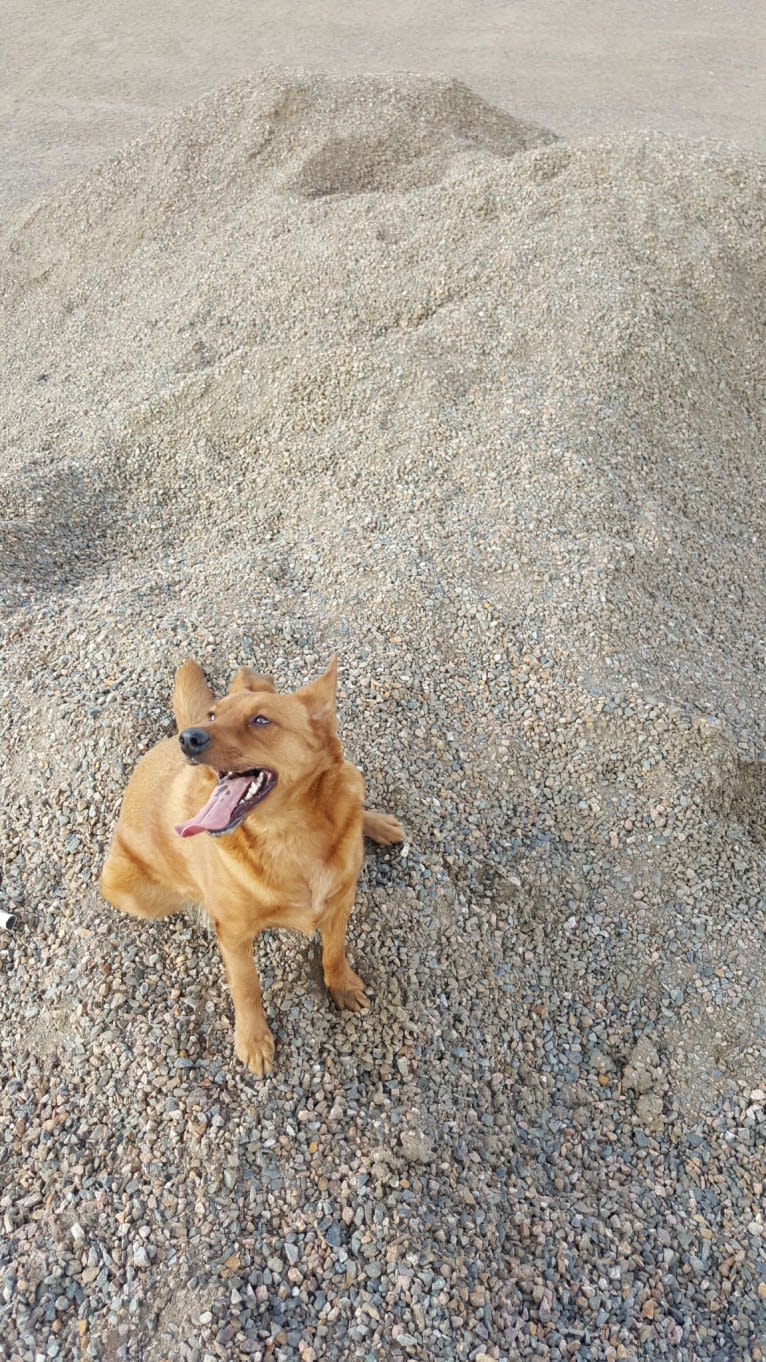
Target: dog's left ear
point(319, 696)
point(246, 679)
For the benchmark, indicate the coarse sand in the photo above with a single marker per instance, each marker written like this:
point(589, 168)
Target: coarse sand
point(366, 365)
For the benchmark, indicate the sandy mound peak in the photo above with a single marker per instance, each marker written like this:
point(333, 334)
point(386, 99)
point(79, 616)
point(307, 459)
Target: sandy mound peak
point(317, 285)
point(307, 135)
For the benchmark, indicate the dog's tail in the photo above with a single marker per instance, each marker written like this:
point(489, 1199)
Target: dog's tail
point(192, 696)
point(382, 828)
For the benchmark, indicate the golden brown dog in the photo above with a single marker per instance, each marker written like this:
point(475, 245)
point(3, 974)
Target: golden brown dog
point(253, 813)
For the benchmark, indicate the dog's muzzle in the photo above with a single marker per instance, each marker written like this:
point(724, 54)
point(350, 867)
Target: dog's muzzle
point(193, 742)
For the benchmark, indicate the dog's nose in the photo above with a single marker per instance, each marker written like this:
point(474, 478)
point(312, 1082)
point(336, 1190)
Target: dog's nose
point(193, 741)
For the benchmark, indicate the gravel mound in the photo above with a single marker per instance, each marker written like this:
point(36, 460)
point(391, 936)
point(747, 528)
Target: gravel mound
point(368, 366)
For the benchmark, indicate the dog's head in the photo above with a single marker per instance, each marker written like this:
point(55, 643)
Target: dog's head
point(261, 746)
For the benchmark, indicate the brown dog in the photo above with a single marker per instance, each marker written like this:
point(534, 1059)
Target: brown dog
point(253, 813)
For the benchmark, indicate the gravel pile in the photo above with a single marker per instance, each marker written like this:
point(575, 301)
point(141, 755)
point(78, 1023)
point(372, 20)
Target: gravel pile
point(368, 366)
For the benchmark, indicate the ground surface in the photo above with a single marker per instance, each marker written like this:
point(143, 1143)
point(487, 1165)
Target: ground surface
point(369, 366)
point(73, 89)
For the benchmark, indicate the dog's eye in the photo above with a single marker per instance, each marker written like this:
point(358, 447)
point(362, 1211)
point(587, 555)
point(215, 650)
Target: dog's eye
point(211, 716)
point(259, 720)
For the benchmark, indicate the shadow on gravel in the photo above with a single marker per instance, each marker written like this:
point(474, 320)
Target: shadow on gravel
point(749, 801)
point(58, 529)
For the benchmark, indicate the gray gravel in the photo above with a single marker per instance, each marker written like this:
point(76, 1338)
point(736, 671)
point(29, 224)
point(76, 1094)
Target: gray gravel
point(368, 366)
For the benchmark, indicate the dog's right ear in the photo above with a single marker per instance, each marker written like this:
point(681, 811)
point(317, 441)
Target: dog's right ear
point(192, 696)
point(246, 679)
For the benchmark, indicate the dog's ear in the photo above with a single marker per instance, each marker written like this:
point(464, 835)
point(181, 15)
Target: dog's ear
point(192, 696)
point(319, 696)
point(246, 679)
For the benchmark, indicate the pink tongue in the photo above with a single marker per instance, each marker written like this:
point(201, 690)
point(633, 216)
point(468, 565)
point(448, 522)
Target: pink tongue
point(219, 810)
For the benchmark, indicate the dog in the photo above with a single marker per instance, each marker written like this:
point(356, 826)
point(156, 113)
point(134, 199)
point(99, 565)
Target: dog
point(253, 813)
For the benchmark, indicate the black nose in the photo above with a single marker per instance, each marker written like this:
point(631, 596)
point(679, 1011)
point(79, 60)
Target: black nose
point(193, 741)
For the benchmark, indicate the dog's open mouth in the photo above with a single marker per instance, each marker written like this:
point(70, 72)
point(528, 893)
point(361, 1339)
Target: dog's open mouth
point(235, 794)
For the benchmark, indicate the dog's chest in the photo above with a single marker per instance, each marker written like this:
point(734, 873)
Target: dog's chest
point(303, 904)
point(282, 891)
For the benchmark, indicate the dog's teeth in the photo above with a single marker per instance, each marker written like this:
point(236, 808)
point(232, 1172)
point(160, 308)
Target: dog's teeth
point(254, 787)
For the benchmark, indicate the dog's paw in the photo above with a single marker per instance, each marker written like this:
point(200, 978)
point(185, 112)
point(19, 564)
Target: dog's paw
point(350, 995)
point(382, 828)
point(390, 830)
point(255, 1049)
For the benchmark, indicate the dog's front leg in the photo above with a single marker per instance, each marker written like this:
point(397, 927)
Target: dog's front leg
point(253, 1040)
point(344, 984)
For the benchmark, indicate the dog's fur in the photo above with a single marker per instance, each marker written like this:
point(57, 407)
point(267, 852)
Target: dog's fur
point(293, 862)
